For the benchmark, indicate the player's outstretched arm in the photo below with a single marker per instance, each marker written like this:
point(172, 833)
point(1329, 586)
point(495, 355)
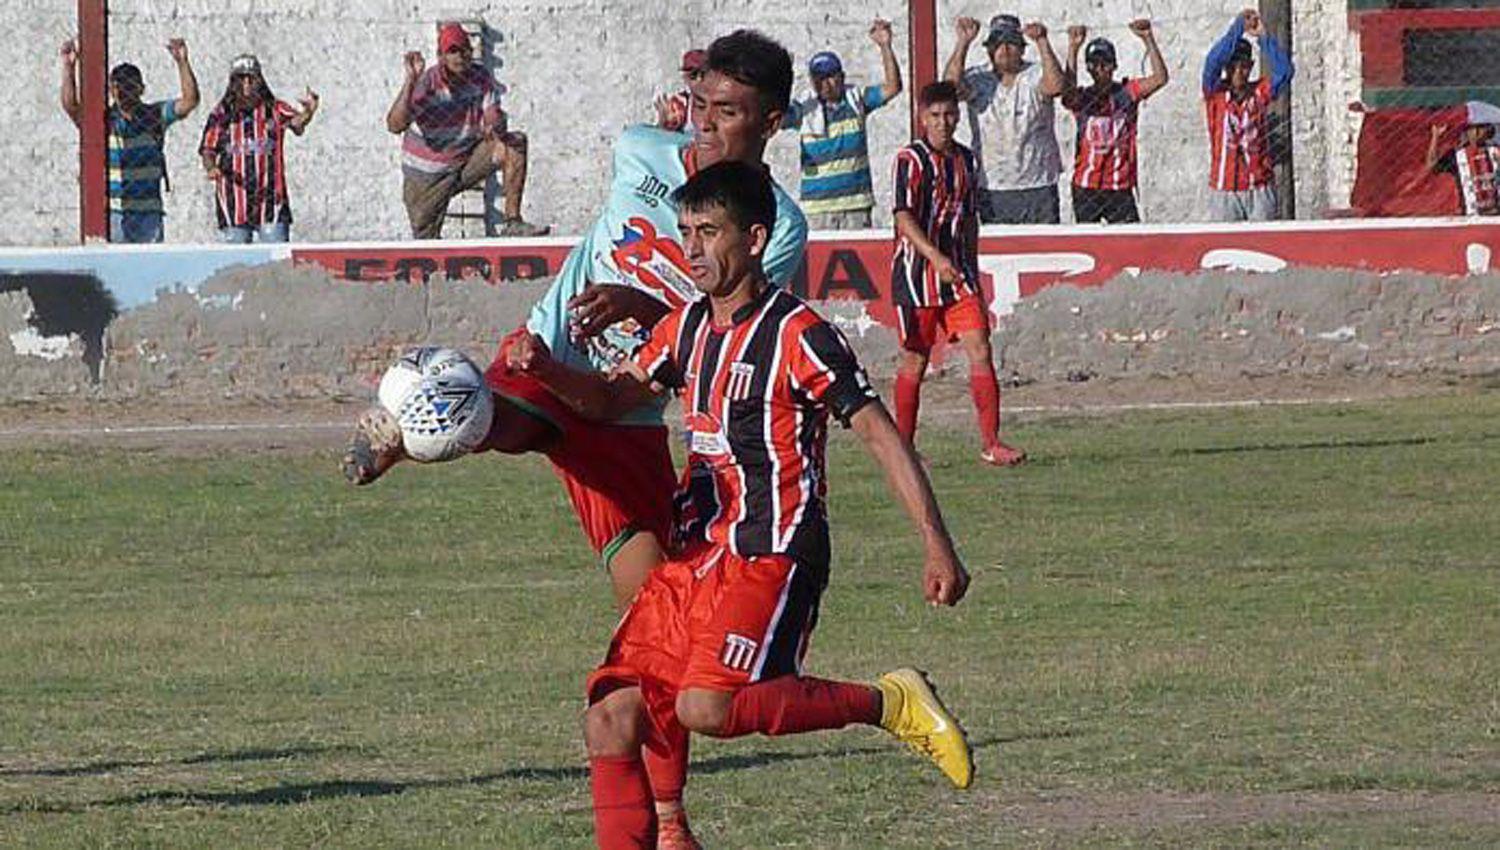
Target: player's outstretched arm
point(592, 395)
point(944, 580)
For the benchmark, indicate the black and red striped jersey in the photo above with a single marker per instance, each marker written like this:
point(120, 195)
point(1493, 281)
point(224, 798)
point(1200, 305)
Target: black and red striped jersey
point(756, 397)
point(938, 189)
point(247, 146)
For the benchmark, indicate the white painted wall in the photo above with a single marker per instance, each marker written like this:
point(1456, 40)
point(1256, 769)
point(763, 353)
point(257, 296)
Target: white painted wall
point(578, 71)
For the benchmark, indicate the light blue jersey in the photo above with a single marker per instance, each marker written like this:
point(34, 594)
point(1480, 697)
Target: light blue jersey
point(634, 242)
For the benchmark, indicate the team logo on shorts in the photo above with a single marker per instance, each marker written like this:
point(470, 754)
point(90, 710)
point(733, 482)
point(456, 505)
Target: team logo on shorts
point(738, 652)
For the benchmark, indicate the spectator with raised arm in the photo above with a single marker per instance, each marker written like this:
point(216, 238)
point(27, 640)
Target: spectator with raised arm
point(455, 137)
point(1473, 165)
point(1011, 119)
point(1241, 177)
point(830, 123)
point(1106, 114)
point(243, 154)
point(674, 111)
point(136, 130)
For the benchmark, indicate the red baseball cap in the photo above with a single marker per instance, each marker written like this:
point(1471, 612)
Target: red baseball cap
point(451, 36)
point(694, 60)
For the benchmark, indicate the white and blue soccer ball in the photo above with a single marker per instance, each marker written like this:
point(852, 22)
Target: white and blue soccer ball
point(441, 402)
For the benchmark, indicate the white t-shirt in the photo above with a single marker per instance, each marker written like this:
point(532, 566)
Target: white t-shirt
point(1012, 130)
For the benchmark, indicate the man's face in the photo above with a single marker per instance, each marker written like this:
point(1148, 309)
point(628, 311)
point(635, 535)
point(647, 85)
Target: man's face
point(731, 125)
point(1102, 71)
point(126, 93)
point(1477, 134)
point(246, 87)
point(720, 253)
point(939, 120)
point(458, 59)
point(831, 88)
point(1007, 57)
point(1239, 75)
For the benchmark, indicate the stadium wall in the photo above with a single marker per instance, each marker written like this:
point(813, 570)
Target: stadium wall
point(577, 71)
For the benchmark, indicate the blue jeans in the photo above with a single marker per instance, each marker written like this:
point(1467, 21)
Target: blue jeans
point(134, 227)
point(276, 231)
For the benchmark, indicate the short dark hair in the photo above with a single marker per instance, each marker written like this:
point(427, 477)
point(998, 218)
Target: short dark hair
point(748, 57)
point(742, 190)
point(941, 91)
point(126, 73)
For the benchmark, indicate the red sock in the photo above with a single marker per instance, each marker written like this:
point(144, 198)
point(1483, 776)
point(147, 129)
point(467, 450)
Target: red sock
point(666, 765)
point(624, 818)
point(986, 393)
point(787, 705)
point(908, 399)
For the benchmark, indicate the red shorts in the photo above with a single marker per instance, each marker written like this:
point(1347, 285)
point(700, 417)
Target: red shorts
point(713, 620)
point(618, 477)
point(922, 327)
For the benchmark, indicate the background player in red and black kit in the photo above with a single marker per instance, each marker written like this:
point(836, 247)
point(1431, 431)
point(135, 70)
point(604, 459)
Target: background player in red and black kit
point(935, 270)
point(1104, 171)
point(715, 639)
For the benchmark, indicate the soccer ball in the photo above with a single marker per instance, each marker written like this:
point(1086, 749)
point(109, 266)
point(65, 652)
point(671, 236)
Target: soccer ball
point(440, 400)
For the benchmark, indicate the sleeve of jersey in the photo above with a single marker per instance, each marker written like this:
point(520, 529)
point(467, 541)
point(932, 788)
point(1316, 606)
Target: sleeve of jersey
point(1132, 89)
point(788, 244)
point(655, 359)
point(874, 98)
point(906, 182)
point(824, 367)
point(168, 112)
point(213, 132)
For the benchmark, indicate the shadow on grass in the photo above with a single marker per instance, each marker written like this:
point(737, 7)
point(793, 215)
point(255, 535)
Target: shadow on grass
point(96, 768)
point(309, 792)
point(1321, 445)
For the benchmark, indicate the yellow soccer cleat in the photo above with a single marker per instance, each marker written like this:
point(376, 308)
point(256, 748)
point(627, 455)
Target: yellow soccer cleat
point(912, 712)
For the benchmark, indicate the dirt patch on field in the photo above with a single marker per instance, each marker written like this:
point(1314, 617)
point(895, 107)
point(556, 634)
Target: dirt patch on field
point(1144, 812)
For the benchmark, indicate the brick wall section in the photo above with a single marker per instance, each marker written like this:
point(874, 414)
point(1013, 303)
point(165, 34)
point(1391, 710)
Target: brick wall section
point(577, 72)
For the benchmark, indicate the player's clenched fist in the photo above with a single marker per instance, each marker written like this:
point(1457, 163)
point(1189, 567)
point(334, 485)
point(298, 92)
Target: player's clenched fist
point(944, 580)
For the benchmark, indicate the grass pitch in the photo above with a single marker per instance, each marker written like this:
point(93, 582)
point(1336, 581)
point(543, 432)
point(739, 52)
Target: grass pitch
point(1220, 628)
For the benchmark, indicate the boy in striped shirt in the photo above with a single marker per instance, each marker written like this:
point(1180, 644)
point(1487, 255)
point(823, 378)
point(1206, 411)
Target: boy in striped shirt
point(1241, 179)
point(1104, 172)
point(935, 270)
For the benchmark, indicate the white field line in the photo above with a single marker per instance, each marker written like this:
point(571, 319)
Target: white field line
point(252, 427)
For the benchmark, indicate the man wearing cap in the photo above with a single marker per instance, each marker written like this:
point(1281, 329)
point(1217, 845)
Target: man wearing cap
point(1011, 124)
point(675, 111)
point(137, 130)
point(455, 137)
point(830, 123)
point(1473, 164)
point(1104, 169)
point(242, 152)
point(1241, 179)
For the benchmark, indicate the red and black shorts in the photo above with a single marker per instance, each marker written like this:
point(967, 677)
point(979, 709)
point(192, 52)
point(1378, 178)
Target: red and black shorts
point(618, 477)
point(712, 620)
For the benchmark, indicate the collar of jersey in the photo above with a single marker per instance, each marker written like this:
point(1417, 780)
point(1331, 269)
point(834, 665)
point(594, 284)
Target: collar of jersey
point(745, 312)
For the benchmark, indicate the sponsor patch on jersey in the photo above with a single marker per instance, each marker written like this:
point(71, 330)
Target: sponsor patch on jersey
point(653, 262)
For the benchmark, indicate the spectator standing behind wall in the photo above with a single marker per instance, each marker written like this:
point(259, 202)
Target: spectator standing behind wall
point(1473, 165)
point(455, 137)
point(830, 123)
point(1241, 180)
point(136, 131)
point(675, 111)
point(242, 151)
point(1012, 123)
point(1107, 114)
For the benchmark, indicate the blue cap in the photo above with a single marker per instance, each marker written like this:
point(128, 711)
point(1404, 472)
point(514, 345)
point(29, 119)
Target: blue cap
point(1005, 29)
point(825, 64)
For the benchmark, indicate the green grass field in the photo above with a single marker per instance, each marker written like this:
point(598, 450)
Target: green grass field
point(1275, 627)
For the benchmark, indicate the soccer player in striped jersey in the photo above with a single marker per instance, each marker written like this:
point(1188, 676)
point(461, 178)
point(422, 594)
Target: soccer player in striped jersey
point(1106, 113)
point(714, 641)
point(1241, 178)
point(935, 270)
point(627, 272)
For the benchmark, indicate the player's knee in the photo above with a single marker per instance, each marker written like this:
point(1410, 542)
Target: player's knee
point(614, 726)
point(977, 347)
point(913, 363)
point(704, 712)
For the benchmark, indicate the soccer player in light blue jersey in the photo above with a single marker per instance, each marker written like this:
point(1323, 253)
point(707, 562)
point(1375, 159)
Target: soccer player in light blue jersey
point(627, 273)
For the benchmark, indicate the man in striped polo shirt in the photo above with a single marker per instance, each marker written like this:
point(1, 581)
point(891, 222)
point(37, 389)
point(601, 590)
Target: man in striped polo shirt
point(935, 269)
point(1104, 172)
point(455, 137)
point(1241, 180)
point(137, 130)
point(830, 123)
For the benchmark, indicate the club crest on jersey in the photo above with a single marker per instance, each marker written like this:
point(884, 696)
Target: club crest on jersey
point(656, 263)
point(738, 652)
point(741, 378)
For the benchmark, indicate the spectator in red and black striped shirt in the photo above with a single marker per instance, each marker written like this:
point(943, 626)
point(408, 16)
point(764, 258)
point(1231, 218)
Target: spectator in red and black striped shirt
point(1104, 169)
point(935, 269)
point(242, 150)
